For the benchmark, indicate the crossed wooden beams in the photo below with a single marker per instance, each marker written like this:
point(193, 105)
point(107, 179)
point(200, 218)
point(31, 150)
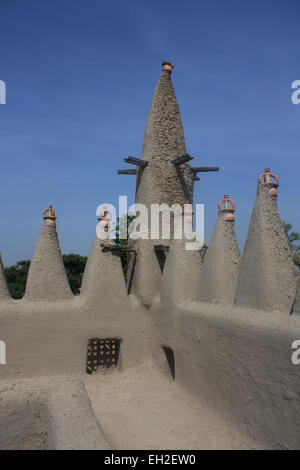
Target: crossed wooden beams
point(117, 248)
point(177, 162)
point(196, 169)
point(129, 249)
point(133, 161)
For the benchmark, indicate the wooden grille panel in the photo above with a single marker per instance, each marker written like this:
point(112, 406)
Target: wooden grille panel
point(102, 353)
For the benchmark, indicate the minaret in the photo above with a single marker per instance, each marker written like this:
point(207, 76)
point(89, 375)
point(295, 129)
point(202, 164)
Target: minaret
point(103, 282)
point(267, 279)
point(47, 279)
point(4, 292)
point(159, 181)
point(222, 261)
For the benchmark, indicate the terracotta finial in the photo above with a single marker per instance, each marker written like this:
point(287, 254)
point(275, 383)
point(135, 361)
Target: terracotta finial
point(167, 66)
point(104, 219)
point(227, 205)
point(49, 214)
point(266, 178)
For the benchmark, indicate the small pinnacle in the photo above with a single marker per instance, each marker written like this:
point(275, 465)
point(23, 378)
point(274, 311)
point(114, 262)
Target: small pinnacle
point(267, 177)
point(167, 66)
point(226, 204)
point(49, 214)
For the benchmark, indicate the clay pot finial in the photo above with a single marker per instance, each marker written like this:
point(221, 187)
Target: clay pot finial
point(167, 66)
point(227, 205)
point(266, 178)
point(104, 219)
point(187, 214)
point(187, 210)
point(270, 178)
point(49, 214)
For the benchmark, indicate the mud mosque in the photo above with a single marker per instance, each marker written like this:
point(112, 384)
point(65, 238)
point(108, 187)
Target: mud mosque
point(193, 352)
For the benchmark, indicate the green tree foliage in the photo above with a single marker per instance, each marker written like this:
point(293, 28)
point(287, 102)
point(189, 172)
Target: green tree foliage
point(16, 275)
point(293, 240)
point(74, 265)
point(123, 227)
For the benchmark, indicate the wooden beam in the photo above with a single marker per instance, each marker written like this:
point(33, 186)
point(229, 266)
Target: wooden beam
point(131, 268)
point(204, 169)
point(183, 159)
point(117, 248)
point(126, 172)
point(136, 161)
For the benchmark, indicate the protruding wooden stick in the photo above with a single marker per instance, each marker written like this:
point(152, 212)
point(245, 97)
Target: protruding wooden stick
point(136, 161)
point(204, 169)
point(126, 172)
point(183, 159)
point(117, 248)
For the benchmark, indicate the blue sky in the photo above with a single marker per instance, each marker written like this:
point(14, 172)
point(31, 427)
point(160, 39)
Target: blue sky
point(80, 77)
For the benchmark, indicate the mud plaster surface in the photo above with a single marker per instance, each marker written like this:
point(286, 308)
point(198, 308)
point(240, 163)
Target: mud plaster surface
point(48, 413)
point(143, 408)
point(267, 279)
point(160, 182)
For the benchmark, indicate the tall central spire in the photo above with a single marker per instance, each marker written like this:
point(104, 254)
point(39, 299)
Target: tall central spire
point(161, 181)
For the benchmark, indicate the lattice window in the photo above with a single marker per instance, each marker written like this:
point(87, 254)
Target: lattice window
point(102, 353)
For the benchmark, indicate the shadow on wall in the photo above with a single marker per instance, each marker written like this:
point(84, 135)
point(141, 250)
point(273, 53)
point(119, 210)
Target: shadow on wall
point(170, 359)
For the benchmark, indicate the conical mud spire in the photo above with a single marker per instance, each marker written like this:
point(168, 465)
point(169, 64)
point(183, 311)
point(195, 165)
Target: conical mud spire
point(267, 278)
point(47, 279)
point(161, 181)
point(182, 273)
point(144, 274)
point(103, 282)
point(4, 292)
point(222, 262)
